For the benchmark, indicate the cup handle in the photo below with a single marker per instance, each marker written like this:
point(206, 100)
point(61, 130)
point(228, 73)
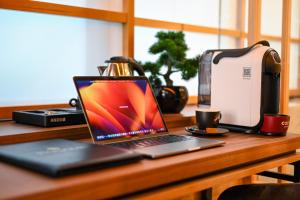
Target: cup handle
point(73, 102)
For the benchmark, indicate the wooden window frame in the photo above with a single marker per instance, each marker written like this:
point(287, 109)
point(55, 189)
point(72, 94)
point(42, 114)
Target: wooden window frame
point(129, 21)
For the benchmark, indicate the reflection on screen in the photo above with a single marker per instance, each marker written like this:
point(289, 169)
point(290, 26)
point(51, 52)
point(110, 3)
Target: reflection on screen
point(120, 108)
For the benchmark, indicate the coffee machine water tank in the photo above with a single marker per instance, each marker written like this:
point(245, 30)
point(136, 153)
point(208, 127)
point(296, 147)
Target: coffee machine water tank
point(271, 66)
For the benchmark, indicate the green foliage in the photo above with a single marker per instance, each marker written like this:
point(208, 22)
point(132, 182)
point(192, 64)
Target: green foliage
point(171, 48)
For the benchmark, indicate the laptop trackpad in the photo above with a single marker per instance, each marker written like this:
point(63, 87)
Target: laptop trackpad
point(178, 147)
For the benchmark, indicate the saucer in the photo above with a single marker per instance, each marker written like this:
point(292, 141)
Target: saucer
point(208, 132)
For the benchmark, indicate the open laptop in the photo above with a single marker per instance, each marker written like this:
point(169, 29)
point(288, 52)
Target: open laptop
point(123, 112)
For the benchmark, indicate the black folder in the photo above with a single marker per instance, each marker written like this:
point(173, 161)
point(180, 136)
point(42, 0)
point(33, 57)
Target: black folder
point(61, 157)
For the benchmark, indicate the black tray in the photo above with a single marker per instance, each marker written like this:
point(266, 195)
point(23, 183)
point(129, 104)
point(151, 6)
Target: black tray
point(50, 117)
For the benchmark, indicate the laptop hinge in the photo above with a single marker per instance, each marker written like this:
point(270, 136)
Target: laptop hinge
point(130, 139)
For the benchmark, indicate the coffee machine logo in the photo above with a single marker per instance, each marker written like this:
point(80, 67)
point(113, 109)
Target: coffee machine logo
point(285, 124)
point(246, 72)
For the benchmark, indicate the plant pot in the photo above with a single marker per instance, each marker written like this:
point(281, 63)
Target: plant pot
point(172, 99)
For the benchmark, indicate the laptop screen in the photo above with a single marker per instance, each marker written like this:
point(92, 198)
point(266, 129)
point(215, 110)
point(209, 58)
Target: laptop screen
point(120, 107)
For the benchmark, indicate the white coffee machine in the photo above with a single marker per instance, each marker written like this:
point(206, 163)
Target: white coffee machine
point(243, 84)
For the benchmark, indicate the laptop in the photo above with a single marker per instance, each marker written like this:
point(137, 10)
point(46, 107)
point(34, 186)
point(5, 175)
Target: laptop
point(57, 157)
point(123, 112)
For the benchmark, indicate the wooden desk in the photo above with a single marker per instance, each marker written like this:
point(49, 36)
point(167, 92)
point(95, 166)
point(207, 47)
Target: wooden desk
point(169, 177)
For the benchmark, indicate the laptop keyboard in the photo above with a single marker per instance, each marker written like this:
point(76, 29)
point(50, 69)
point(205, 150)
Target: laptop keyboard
point(147, 142)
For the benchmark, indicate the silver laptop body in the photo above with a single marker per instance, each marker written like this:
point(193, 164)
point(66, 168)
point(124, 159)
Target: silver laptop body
point(122, 110)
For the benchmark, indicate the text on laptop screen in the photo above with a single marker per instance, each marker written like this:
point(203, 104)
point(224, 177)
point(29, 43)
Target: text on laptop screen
point(120, 108)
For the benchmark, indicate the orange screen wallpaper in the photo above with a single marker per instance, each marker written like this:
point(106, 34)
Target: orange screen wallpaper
point(120, 108)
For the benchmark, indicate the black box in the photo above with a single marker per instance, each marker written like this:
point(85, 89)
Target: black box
point(50, 117)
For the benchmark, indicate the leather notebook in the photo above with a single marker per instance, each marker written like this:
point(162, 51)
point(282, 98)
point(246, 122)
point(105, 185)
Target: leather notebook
point(61, 157)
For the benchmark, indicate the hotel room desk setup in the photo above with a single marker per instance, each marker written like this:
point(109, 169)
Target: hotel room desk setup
point(176, 176)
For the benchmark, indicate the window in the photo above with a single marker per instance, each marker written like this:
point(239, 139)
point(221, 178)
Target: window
point(40, 54)
point(202, 14)
point(295, 53)
point(53, 48)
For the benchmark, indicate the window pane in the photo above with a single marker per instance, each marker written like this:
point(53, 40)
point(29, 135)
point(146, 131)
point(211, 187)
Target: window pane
point(197, 43)
point(229, 42)
point(113, 5)
point(294, 51)
point(198, 12)
point(294, 66)
point(246, 14)
point(271, 17)
point(246, 43)
point(229, 13)
point(276, 45)
point(40, 54)
point(295, 21)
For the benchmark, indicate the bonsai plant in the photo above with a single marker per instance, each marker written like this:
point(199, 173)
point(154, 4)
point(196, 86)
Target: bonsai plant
point(171, 48)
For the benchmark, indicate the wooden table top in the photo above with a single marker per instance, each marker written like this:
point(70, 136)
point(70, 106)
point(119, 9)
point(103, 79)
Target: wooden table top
point(239, 149)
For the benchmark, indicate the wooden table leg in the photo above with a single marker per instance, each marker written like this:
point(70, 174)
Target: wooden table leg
point(284, 170)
